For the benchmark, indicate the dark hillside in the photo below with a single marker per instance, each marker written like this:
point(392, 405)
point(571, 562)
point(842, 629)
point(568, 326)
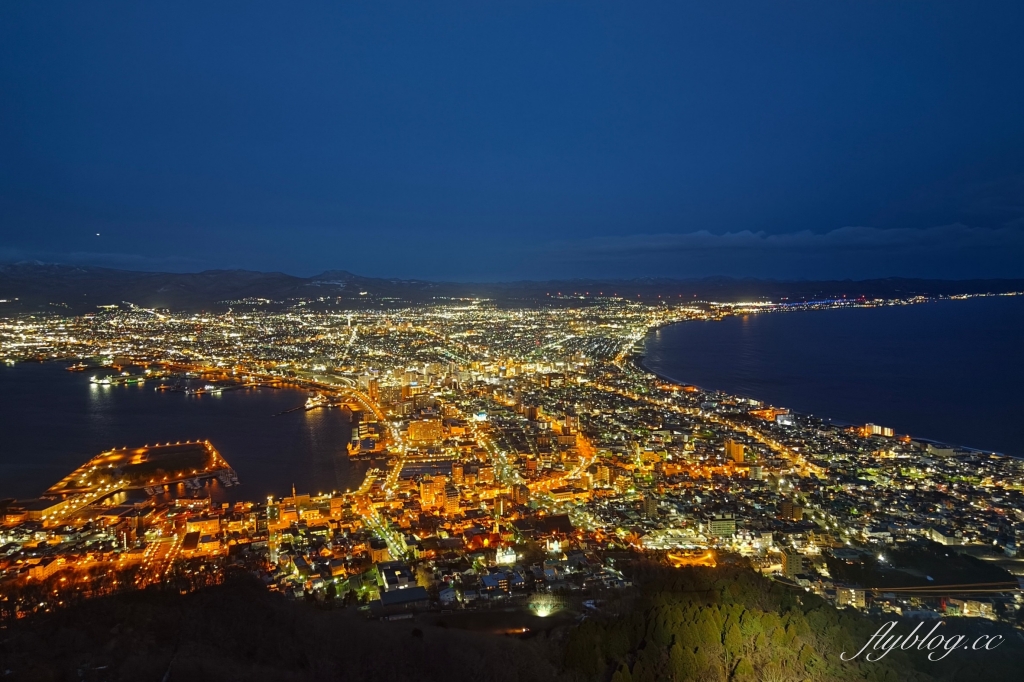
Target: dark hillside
point(35, 287)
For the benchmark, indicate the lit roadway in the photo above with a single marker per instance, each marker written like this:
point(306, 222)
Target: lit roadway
point(384, 532)
point(157, 560)
point(799, 463)
point(587, 454)
point(504, 471)
point(75, 502)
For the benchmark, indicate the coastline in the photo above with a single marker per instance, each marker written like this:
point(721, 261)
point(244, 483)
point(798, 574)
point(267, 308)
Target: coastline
point(641, 362)
point(269, 454)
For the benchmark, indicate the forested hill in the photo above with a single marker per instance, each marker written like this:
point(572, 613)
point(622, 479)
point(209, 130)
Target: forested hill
point(34, 287)
point(733, 624)
point(711, 625)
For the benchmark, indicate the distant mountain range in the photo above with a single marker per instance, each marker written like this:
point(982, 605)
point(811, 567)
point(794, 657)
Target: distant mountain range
point(34, 286)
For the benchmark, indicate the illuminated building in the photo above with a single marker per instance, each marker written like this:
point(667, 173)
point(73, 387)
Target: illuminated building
point(876, 430)
point(427, 492)
point(379, 551)
point(394, 575)
point(520, 494)
point(425, 432)
point(451, 500)
point(721, 525)
point(505, 556)
point(734, 450)
point(850, 596)
point(792, 563)
point(439, 484)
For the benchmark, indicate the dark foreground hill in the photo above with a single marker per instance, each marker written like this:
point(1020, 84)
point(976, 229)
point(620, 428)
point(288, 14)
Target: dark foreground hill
point(33, 287)
point(690, 624)
point(239, 632)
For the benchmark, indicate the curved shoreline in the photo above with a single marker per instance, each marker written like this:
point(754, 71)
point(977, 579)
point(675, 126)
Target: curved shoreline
point(640, 362)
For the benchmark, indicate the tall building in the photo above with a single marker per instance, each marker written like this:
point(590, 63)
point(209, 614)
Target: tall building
point(458, 473)
point(379, 551)
point(722, 525)
point(792, 563)
point(439, 484)
point(520, 494)
point(790, 511)
point(650, 505)
point(451, 499)
point(427, 492)
point(876, 430)
point(734, 450)
point(501, 505)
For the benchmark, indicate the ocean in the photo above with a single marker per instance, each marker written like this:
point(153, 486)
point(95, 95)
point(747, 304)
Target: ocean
point(55, 420)
point(951, 371)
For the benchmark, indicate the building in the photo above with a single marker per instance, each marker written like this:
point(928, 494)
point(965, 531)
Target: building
point(734, 450)
point(790, 511)
point(943, 536)
point(425, 432)
point(427, 492)
point(451, 499)
point(520, 494)
point(379, 551)
point(439, 483)
point(458, 473)
point(792, 563)
point(44, 569)
point(722, 525)
point(850, 596)
point(876, 430)
point(650, 506)
point(785, 420)
point(394, 575)
point(41, 509)
point(505, 556)
point(411, 599)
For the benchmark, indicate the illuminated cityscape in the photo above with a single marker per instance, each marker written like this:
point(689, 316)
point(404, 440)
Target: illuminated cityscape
point(514, 452)
point(511, 342)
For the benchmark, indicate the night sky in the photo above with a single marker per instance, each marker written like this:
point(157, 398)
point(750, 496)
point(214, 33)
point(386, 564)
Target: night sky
point(500, 140)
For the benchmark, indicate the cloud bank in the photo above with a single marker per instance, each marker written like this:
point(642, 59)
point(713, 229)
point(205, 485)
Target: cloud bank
point(954, 251)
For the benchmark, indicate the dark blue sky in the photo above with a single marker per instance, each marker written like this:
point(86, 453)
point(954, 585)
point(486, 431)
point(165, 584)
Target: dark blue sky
point(516, 140)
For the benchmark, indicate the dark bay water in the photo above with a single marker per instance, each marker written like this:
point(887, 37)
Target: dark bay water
point(54, 420)
point(951, 371)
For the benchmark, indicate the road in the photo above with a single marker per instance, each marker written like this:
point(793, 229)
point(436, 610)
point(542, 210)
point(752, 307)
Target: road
point(157, 560)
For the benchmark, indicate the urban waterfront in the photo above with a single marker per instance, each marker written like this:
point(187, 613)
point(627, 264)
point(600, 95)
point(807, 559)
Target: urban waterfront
point(946, 370)
point(532, 342)
point(58, 419)
point(519, 458)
